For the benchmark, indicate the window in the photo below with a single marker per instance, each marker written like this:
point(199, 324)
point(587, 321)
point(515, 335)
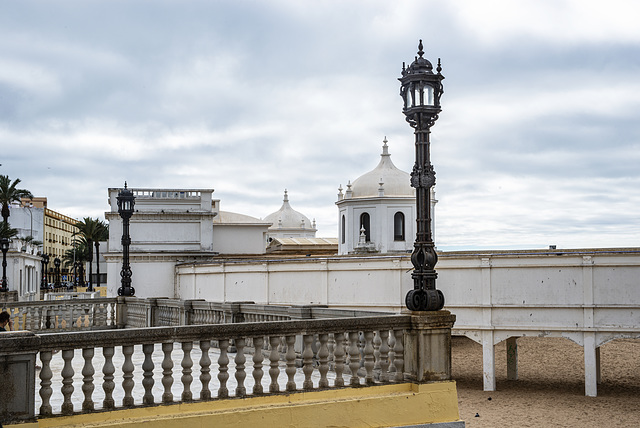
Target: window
point(398, 226)
point(365, 223)
point(343, 229)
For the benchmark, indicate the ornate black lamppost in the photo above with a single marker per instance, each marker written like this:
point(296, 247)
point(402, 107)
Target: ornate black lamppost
point(4, 244)
point(81, 274)
point(421, 88)
point(45, 262)
point(126, 201)
point(56, 263)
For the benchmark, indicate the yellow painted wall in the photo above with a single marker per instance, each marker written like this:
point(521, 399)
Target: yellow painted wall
point(378, 406)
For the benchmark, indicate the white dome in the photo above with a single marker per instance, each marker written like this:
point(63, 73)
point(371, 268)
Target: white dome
point(288, 218)
point(228, 217)
point(395, 182)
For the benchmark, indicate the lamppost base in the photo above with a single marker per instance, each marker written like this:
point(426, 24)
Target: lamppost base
point(126, 291)
point(424, 300)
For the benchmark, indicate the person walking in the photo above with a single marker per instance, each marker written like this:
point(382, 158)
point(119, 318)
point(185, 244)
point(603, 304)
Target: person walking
point(6, 324)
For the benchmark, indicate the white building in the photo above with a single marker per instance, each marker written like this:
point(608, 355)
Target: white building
point(377, 211)
point(289, 223)
point(171, 226)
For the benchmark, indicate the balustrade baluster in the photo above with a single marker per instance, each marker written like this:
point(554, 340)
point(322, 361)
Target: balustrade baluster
point(258, 342)
point(338, 358)
point(87, 379)
point(45, 383)
point(376, 351)
point(87, 315)
point(113, 313)
point(29, 317)
point(186, 378)
point(290, 356)
point(67, 381)
point(68, 316)
point(147, 367)
point(127, 376)
point(167, 372)
point(47, 317)
point(384, 355)
point(398, 350)
point(354, 357)
point(274, 363)
point(307, 361)
point(392, 355)
point(205, 369)
point(323, 359)
point(223, 363)
point(240, 359)
point(108, 385)
point(369, 359)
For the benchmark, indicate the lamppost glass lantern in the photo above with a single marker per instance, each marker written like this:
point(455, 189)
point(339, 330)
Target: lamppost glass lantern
point(4, 245)
point(421, 89)
point(126, 202)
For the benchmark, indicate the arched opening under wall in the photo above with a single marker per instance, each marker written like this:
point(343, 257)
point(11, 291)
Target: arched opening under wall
point(398, 226)
point(365, 223)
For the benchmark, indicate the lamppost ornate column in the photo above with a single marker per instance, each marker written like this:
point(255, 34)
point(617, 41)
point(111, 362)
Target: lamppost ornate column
point(45, 262)
point(420, 89)
point(126, 202)
point(56, 263)
point(4, 244)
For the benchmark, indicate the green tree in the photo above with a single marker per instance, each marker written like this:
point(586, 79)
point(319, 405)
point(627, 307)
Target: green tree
point(7, 231)
point(9, 193)
point(93, 231)
point(79, 252)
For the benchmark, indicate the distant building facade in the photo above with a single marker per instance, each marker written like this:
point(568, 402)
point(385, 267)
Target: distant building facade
point(171, 226)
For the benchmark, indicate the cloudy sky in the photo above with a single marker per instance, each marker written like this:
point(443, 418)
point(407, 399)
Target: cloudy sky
point(538, 142)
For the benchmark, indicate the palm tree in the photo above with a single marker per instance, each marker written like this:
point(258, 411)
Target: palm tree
point(9, 194)
point(93, 231)
point(78, 253)
point(7, 231)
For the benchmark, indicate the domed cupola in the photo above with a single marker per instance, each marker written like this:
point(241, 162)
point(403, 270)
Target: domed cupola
point(384, 180)
point(376, 213)
point(289, 223)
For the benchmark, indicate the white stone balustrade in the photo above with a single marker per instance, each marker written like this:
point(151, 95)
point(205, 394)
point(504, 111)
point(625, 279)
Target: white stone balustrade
point(177, 364)
point(62, 315)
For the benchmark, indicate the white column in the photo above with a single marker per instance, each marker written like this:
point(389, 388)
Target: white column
point(590, 365)
point(512, 358)
point(488, 350)
point(488, 361)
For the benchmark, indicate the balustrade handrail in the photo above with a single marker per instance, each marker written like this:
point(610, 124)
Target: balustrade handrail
point(30, 342)
point(38, 303)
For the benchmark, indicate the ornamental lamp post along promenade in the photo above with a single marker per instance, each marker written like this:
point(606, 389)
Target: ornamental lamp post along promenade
point(126, 202)
point(56, 263)
point(421, 89)
point(45, 263)
point(4, 244)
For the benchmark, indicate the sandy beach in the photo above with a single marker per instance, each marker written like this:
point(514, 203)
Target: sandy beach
point(550, 388)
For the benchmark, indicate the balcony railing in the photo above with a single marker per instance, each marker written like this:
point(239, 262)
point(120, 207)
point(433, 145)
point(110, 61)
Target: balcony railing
point(62, 315)
point(164, 365)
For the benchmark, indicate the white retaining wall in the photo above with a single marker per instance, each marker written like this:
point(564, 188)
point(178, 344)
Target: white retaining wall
point(588, 296)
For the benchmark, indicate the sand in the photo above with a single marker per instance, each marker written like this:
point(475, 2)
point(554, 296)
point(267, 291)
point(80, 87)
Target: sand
point(550, 389)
